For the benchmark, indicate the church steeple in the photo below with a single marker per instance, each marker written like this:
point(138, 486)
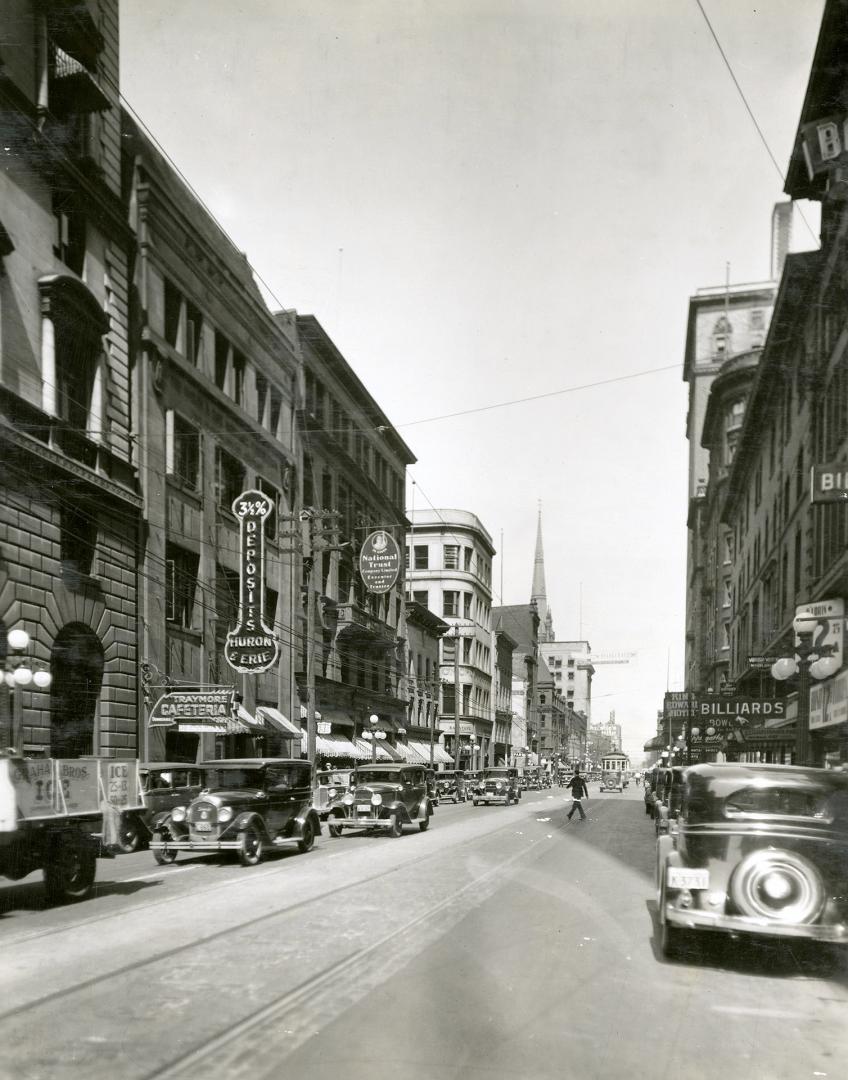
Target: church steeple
point(538, 593)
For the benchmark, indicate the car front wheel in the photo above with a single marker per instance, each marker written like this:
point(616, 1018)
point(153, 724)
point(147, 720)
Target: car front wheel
point(250, 850)
point(396, 828)
point(424, 825)
point(334, 830)
point(307, 838)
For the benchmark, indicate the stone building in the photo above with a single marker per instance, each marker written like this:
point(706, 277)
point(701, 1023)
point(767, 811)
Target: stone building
point(70, 522)
point(424, 632)
point(449, 559)
point(354, 473)
point(215, 388)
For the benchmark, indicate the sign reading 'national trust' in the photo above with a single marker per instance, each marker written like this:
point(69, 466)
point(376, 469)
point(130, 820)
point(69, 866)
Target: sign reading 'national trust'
point(379, 562)
point(251, 647)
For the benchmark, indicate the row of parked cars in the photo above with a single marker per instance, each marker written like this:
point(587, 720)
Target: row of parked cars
point(750, 849)
point(252, 806)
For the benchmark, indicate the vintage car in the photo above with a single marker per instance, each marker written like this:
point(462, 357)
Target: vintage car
point(667, 806)
point(650, 792)
point(760, 850)
point(383, 798)
point(497, 785)
point(164, 785)
point(432, 785)
point(330, 782)
point(611, 781)
point(450, 784)
point(247, 805)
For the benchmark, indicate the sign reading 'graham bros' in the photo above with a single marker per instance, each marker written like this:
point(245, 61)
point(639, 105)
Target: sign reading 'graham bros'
point(379, 561)
point(251, 647)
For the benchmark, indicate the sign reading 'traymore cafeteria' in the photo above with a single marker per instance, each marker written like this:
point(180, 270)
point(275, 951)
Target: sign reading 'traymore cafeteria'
point(379, 561)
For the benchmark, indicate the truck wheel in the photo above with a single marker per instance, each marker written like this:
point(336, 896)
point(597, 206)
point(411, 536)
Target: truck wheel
point(129, 837)
point(69, 875)
point(250, 851)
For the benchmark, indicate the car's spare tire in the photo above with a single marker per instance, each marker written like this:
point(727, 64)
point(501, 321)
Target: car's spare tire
point(780, 885)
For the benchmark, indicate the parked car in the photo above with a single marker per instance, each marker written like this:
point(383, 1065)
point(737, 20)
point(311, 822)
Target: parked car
point(650, 792)
point(329, 783)
point(611, 781)
point(163, 785)
point(497, 785)
point(667, 808)
point(247, 805)
point(383, 798)
point(760, 850)
point(450, 784)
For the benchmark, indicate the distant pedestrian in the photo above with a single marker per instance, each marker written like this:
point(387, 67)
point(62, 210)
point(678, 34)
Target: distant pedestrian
point(579, 791)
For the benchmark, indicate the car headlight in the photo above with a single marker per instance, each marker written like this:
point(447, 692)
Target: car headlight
point(225, 813)
point(348, 800)
point(331, 794)
point(376, 800)
point(498, 786)
point(178, 813)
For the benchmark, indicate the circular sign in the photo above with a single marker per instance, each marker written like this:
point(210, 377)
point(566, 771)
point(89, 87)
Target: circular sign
point(379, 562)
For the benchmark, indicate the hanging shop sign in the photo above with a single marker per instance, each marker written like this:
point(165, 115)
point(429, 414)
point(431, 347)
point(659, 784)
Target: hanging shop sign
point(829, 483)
point(207, 710)
point(715, 709)
point(829, 632)
point(823, 142)
point(829, 702)
point(379, 562)
point(251, 647)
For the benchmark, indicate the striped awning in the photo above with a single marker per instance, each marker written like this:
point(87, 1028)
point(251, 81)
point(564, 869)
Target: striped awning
point(275, 719)
point(385, 752)
point(333, 746)
point(440, 755)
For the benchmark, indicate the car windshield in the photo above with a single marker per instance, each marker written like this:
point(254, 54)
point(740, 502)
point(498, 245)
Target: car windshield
point(372, 776)
point(233, 779)
point(496, 773)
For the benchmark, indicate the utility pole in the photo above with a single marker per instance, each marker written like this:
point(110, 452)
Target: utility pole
point(307, 541)
point(456, 698)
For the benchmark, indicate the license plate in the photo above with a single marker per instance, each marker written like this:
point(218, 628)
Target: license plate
point(203, 826)
point(686, 877)
point(363, 809)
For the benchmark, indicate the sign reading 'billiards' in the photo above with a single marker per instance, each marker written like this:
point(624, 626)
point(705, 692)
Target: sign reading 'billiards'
point(252, 647)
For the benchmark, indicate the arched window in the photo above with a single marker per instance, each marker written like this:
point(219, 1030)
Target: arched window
point(722, 333)
point(76, 662)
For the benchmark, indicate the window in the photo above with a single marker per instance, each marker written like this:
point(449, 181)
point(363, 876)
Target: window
point(422, 557)
point(173, 312)
point(238, 378)
point(180, 585)
point(222, 355)
point(758, 319)
point(261, 397)
point(77, 539)
point(267, 488)
point(466, 605)
point(70, 233)
point(229, 478)
point(466, 650)
point(182, 450)
point(194, 335)
point(421, 597)
point(270, 610)
point(451, 557)
point(450, 604)
point(276, 409)
point(448, 650)
point(467, 553)
point(728, 549)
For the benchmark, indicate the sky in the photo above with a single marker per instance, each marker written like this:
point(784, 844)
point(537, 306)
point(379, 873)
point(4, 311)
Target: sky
point(484, 201)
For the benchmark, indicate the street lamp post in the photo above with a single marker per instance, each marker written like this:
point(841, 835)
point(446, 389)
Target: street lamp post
point(810, 660)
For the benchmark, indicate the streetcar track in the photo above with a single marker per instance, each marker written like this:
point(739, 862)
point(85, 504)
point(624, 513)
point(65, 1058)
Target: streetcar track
point(177, 950)
point(312, 987)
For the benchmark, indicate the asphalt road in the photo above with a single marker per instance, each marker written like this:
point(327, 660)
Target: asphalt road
point(505, 942)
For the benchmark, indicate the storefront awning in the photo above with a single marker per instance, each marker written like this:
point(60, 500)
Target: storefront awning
point(440, 755)
point(384, 751)
point(275, 719)
point(333, 746)
point(303, 714)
